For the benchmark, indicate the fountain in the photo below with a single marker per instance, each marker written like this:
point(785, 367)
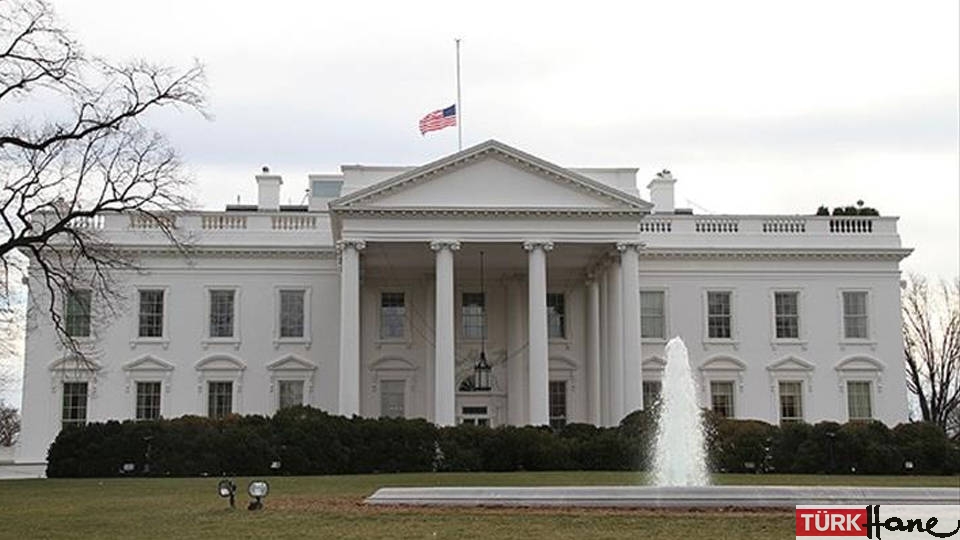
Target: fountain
point(680, 456)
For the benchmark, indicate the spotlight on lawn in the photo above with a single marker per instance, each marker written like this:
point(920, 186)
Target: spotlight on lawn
point(226, 488)
point(257, 489)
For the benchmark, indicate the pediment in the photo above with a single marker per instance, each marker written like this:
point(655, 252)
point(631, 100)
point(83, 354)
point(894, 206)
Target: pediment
point(148, 363)
point(220, 362)
point(392, 363)
point(791, 363)
point(859, 363)
point(72, 363)
point(723, 363)
point(491, 176)
point(654, 363)
point(561, 363)
point(291, 363)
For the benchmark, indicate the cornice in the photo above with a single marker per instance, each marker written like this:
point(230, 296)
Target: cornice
point(891, 254)
point(251, 252)
point(438, 211)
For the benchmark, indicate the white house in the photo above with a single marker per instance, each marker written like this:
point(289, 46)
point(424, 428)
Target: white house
point(369, 301)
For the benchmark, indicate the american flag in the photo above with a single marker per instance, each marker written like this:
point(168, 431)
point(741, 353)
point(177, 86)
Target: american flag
point(439, 119)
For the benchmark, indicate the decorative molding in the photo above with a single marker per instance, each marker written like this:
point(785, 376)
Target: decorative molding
point(774, 253)
point(856, 363)
point(454, 211)
point(624, 246)
point(358, 245)
point(148, 362)
point(291, 362)
point(220, 362)
point(545, 245)
point(452, 245)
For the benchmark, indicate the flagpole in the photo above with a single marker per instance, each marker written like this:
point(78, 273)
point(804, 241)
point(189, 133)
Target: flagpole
point(459, 106)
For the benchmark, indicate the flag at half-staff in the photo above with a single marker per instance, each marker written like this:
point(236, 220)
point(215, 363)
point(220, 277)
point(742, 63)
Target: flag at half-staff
point(439, 119)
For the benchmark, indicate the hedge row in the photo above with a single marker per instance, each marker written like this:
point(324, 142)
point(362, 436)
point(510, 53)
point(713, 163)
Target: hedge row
point(304, 441)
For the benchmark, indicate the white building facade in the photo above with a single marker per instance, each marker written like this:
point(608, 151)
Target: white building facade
point(369, 301)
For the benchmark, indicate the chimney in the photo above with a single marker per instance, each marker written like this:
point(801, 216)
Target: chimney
point(661, 192)
point(268, 190)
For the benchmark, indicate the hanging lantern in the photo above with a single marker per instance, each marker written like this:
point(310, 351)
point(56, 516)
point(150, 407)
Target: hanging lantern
point(481, 374)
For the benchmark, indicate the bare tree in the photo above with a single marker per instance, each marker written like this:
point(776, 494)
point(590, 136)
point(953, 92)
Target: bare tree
point(9, 425)
point(931, 333)
point(93, 156)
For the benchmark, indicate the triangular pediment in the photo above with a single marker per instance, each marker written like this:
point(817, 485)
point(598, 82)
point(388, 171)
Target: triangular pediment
point(723, 363)
point(291, 363)
point(491, 175)
point(148, 363)
point(791, 363)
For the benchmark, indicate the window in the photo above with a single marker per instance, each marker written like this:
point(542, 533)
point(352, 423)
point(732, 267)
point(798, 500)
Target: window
point(148, 400)
point(219, 399)
point(721, 398)
point(556, 316)
point(393, 315)
point(855, 315)
point(474, 416)
point(74, 411)
point(652, 320)
point(291, 393)
point(78, 313)
point(651, 393)
point(791, 401)
point(786, 307)
point(291, 313)
point(392, 398)
point(474, 315)
point(859, 406)
point(151, 314)
point(221, 313)
point(558, 404)
point(719, 316)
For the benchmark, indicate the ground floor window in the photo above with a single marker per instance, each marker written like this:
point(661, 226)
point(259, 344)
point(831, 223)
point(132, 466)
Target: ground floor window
point(651, 393)
point(558, 404)
point(392, 398)
point(291, 393)
point(219, 399)
point(721, 398)
point(791, 401)
point(859, 406)
point(148, 400)
point(474, 416)
point(74, 411)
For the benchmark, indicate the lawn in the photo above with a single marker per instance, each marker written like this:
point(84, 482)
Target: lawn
point(331, 507)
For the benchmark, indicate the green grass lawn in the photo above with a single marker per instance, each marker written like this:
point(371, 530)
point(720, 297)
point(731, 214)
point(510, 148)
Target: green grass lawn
point(331, 507)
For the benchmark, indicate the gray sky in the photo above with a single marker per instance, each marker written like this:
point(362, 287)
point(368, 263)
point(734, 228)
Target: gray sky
point(757, 107)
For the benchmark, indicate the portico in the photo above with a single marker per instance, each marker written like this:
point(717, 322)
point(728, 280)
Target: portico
point(562, 329)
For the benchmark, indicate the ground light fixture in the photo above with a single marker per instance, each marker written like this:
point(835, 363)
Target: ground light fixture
point(257, 489)
point(226, 488)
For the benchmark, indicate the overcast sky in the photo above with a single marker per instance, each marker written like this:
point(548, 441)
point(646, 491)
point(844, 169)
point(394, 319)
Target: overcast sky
point(757, 107)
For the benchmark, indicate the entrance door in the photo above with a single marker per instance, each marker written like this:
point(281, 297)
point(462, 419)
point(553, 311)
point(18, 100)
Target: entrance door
point(392, 398)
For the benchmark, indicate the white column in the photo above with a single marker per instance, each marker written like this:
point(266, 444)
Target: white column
point(632, 360)
point(605, 415)
point(593, 350)
point(516, 365)
point(616, 344)
point(539, 368)
point(444, 397)
point(349, 372)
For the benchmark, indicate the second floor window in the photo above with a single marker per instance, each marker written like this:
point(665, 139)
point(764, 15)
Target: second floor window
point(77, 319)
point(719, 315)
point(652, 315)
point(556, 316)
point(474, 313)
point(393, 315)
point(151, 314)
point(291, 313)
point(787, 315)
point(221, 313)
point(855, 315)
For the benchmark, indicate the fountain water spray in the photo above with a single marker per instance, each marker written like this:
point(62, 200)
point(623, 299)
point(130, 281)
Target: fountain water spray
point(680, 451)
